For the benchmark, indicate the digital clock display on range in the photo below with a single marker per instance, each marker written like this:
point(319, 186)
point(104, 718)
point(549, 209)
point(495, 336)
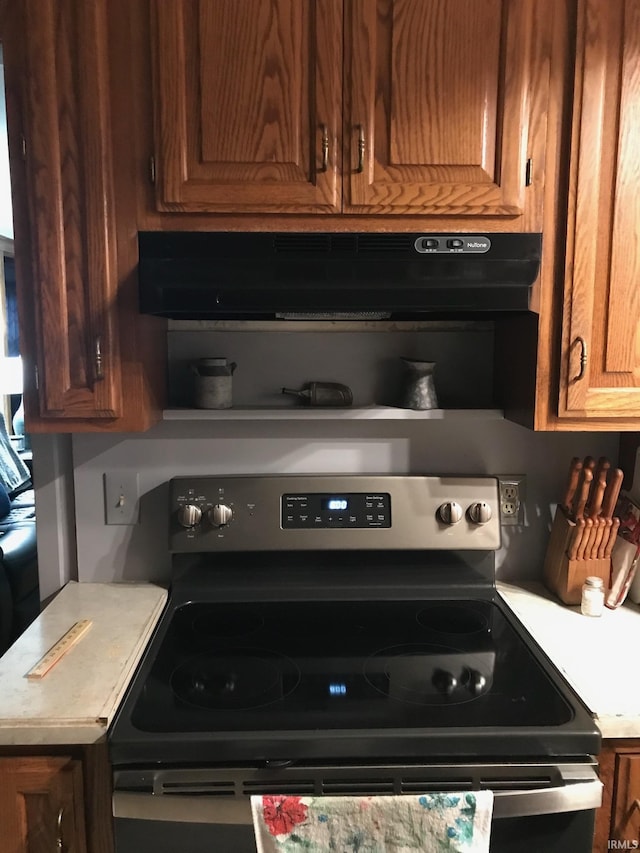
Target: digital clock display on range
point(334, 503)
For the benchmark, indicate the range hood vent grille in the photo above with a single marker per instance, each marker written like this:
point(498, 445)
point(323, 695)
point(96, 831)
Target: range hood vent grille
point(341, 243)
point(265, 275)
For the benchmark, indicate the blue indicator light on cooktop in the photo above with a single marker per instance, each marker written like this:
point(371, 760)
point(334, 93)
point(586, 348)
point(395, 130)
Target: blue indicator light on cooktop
point(337, 689)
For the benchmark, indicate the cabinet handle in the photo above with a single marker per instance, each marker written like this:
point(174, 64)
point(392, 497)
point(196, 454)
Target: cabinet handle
point(325, 148)
point(361, 147)
point(583, 358)
point(59, 838)
point(97, 353)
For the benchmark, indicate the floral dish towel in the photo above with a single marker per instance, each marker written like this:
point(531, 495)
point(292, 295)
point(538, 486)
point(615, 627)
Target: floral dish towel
point(429, 823)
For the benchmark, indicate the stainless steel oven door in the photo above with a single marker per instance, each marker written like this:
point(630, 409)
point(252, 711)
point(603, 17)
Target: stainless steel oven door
point(206, 810)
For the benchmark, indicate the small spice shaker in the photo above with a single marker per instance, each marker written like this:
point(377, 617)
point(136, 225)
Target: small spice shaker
point(592, 603)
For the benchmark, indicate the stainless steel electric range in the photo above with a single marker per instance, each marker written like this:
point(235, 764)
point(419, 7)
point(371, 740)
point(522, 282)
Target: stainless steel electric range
point(343, 635)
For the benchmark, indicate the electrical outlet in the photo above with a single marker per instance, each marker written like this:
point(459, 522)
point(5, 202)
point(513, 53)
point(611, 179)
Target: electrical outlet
point(511, 488)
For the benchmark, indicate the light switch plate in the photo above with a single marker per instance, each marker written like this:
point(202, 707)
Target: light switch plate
point(121, 497)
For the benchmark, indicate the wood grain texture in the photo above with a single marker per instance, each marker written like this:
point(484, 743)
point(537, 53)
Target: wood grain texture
point(626, 805)
point(602, 304)
point(618, 819)
point(92, 222)
point(243, 90)
point(68, 277)
point(441, 90)
point(34, 792)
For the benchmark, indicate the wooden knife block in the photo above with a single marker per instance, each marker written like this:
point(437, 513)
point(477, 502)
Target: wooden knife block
point(563, 576)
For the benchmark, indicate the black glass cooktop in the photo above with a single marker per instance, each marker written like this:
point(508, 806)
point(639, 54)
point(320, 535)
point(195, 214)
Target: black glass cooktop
point(322, 665)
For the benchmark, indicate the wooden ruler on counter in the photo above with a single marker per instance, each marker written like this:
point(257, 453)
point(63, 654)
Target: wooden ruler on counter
point(60, 648)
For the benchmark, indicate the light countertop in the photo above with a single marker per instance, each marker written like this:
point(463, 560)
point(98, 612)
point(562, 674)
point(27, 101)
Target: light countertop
point(596, 655)
point(75, 702)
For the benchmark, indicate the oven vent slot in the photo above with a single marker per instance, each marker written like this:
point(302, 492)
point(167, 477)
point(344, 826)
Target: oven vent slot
point(424, 786)
point(514, 783)
point(202, 787)
point(355, 787)
point(298, 787)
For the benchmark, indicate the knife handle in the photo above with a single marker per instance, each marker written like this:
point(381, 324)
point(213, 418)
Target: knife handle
point(575, 466)
point(578, 532)
point(611, 493)
point(597, 494)
point(605, 537)
point(598, 541)
point(589, 464)
point(612, 537)
point(588, 524)
point(587, 478)
point(589, 553)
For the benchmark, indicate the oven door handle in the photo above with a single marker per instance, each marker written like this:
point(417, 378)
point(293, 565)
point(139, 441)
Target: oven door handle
point(574, 796)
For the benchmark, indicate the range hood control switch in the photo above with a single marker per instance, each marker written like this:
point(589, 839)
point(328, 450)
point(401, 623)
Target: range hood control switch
point(189, 515)
point(220, 515)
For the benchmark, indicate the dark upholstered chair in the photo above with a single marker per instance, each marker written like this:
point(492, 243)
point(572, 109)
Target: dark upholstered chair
point(19, 585)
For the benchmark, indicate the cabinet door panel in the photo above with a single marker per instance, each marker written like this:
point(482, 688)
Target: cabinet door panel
point(42, 805)
point(70, 273)
point(626, 807)
point(438, 106)
point(601, 330)
point(248, 100)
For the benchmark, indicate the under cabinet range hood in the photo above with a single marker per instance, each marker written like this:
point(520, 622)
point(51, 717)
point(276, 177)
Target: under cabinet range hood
point(334, 276)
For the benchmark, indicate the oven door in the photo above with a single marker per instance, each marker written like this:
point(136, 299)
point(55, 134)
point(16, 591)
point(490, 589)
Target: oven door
point(207, 810)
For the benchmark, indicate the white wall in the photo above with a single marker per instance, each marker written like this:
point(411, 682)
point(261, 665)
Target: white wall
point(139, 552)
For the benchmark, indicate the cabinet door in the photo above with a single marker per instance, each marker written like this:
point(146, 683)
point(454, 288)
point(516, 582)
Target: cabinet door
point(625, 813)
point(438, 105)
point(65, 246)
point(42, 805)
point(248, 104)
point(600, 372)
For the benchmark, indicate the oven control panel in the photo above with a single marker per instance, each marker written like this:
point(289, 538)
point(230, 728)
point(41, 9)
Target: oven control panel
point(312, 512)
point(337, 509)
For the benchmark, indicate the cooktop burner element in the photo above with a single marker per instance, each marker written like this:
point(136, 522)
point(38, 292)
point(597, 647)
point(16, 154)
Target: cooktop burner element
point(239, 679)
point(429, 675)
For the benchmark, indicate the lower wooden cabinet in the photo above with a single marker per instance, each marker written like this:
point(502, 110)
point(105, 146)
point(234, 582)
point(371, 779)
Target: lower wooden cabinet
point(618, 820)
point(55, 801)
point(42, 804)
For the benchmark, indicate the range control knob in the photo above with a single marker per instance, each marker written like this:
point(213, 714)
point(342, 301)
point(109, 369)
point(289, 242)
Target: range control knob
point(480, 512)
point(189, 515)
point(450, 512)
point(220, 515)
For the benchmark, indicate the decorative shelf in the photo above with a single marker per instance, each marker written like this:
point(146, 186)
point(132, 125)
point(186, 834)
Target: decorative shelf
point(309, 413)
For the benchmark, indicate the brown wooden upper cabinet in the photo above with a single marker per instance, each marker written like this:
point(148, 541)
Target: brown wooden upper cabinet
point(600, 372)
point(63, 205)
point(429, 107)
point(92, 363)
